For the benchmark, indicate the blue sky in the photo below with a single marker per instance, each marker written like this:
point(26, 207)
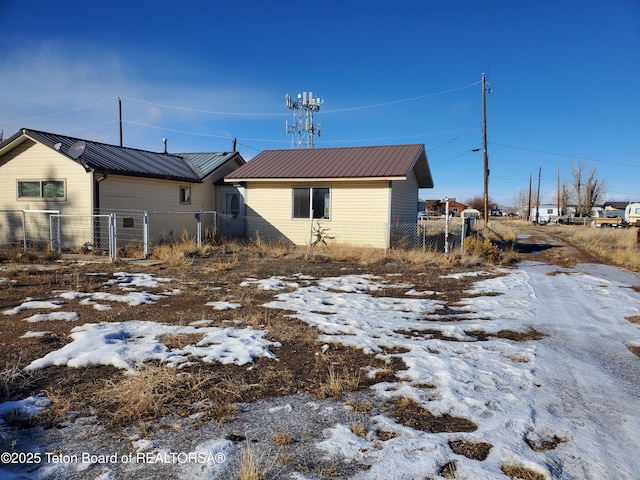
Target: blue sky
point(564, 78)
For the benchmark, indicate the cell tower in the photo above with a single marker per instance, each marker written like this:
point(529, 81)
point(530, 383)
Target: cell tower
point(303, 130)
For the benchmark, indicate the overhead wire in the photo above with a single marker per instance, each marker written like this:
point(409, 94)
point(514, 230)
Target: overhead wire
point(58, 113)
point(255, 114)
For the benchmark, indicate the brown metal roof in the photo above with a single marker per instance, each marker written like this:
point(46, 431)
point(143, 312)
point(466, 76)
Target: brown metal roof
point(392, 161)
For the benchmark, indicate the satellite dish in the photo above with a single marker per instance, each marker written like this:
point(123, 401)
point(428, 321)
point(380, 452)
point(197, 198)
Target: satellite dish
point(77, 149)
point(57, 146)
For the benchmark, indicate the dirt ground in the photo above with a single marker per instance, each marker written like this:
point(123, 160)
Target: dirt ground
point(79, 393)
point(536, 244)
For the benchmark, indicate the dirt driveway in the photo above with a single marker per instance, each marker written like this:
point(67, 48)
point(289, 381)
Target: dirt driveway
point(536, 243)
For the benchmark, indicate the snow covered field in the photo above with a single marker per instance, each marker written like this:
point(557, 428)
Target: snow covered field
point(564, 404)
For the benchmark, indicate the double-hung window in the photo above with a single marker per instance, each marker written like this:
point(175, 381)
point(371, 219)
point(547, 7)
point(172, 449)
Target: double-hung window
point(311, 202)
point(42, 189)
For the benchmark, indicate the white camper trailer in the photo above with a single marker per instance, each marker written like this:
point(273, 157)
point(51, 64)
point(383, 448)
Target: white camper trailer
point(632, 214)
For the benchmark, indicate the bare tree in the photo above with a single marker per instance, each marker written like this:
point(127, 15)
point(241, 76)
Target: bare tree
point(565, 194)
point(477, 202)
point(594, 190)
point(588, 188)
point(522, 202)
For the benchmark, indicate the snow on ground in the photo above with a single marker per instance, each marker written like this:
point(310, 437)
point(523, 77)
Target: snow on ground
point(127, 344)
point(579, 385)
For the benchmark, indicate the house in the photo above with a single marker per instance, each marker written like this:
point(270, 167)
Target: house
point(544, 213)
point(353, 195)
point(47, 171)
point(439, 207)
point(615, 205)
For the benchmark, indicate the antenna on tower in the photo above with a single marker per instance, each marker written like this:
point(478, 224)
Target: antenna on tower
point(303, 129)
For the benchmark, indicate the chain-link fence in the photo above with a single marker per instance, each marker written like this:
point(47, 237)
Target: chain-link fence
point(133, 233)
point(82, 234)
point(29, 229)
point(438, 234)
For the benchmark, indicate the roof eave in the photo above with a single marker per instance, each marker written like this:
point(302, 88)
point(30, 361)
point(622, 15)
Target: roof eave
point(312, 179)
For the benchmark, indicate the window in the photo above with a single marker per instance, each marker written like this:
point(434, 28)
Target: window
point(549, 211)
point(308, 200)
point(185, 195)
point(45, 189)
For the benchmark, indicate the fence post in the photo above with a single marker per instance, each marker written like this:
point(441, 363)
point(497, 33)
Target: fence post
point(24, 229)
point(59, 234)
point(145, 233)
point(113, 245)
point(199, 228)
point(51, 235)
point(446, 227)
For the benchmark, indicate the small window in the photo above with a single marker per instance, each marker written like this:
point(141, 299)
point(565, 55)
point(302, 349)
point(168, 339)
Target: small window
point(311, 202)
point(45, 189)
point(185, 195)
point(549, 211)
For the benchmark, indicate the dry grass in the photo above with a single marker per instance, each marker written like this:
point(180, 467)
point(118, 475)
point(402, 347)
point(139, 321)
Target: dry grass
point(359, 407)
point(180, 340)
point(477, 451)
point(411, 414)
point(62, 403)
point(13, 381)
point(256, 467)
point(523, 473)
point(635, 349)
point(482, 248)
point(448, 470)
point(156, 390)
point(283, 439)
point(358, 428)
point(339, 382)
point(634, 319)
point(138, 397)
point(250, 468)
point(615, 245)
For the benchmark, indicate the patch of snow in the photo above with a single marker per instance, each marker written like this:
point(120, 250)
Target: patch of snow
point(223, 305)
point(43, 317)
point(125, 344)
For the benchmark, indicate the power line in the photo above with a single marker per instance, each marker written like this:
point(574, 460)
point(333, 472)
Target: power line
point(578, 157)
point(58, 113)
point(401, 101)
point(348, 109)
point(201, 134)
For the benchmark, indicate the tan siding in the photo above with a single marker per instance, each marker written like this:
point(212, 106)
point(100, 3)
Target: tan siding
point(404, 198)
point(359, 212)
point(129, 193)
point(33, 161)
point(120, 194)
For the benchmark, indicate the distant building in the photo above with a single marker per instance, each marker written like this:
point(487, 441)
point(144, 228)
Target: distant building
point(438, 207)
point(545, 213)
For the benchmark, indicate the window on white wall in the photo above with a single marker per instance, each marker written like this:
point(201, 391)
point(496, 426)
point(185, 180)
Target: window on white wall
point(185, 195)
point(43, 189)
point(308, 201)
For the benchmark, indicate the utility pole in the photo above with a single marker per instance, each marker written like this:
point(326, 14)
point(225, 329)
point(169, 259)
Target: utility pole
point(529, 206)
point(120, 110)
point(538, 199)
point(558, 193)
point(486, 157)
